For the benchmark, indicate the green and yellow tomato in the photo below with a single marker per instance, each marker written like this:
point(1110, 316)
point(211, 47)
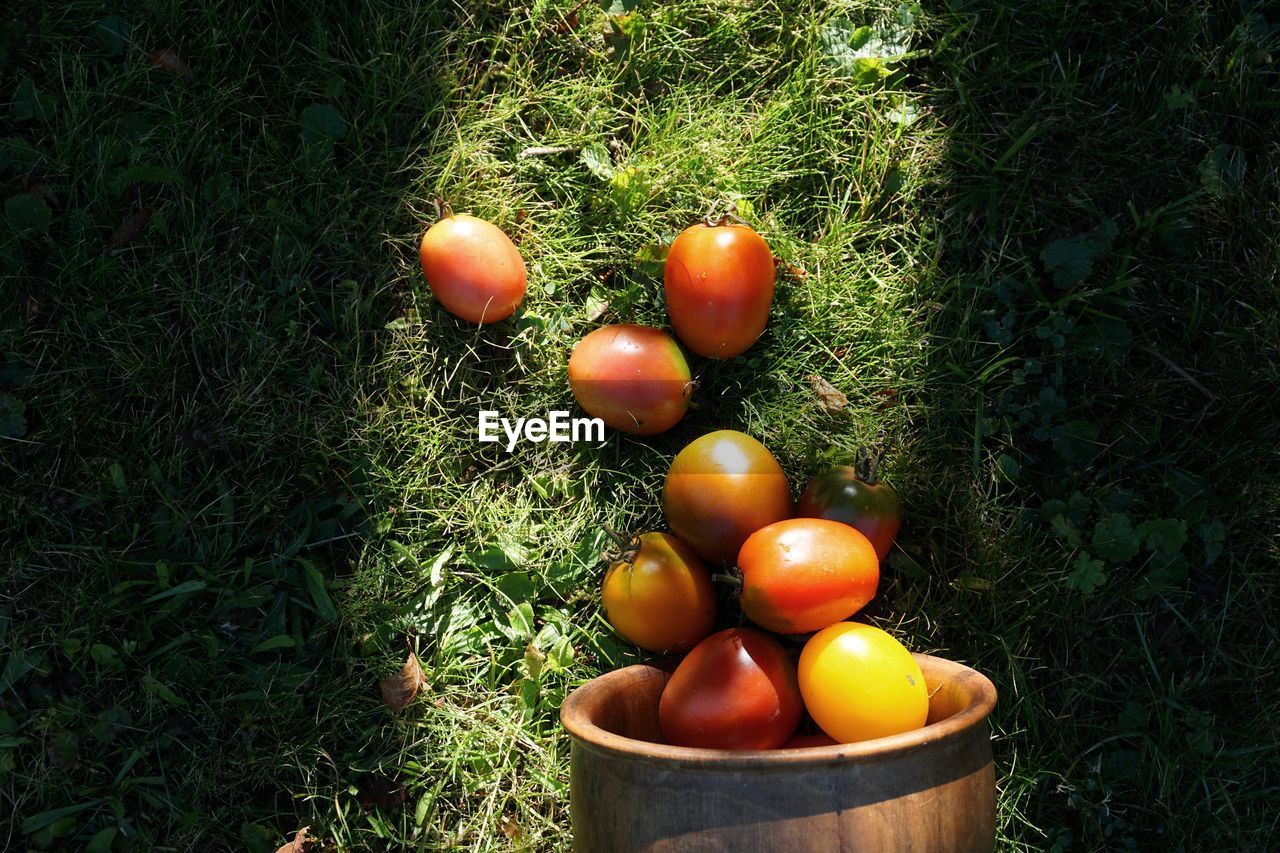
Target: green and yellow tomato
point(634, 378)
point(720, 489)
point(660, 596)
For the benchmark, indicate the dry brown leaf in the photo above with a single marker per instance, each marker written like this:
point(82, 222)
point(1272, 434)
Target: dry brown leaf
point(399, 690)
point(128, 230)
point(379, 792)
point(829, 396)
point(789, 269)
point(509, 828)
point(299, 844)
point(169, 60)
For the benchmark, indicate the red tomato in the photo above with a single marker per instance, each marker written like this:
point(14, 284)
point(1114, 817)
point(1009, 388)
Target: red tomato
point(633, 378)
point(473, 268)
point(719, 286)
point(808, 741)
point(660, 596)
point(722, 488)
point(804, 574)
point(736, 690)
point(840, 495)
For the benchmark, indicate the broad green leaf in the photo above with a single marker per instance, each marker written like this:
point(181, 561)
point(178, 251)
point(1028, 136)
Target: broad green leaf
point(1222, 170)
point(1163, 534)
point(516, 586)
point(520, 619)
point(106, 657)
point(1115, 539)
point(1070, 260)
point(102, 840)
point(155, 687)
point(1064, 528)
point(561, 655)
point(19, 154)
point(16, 668)
point(618, 7)
point(184, 588)
point(1214, 534)
point(279, 641)
point(27, 213)
point(13, 423)
point(597, 160)
point(1077, 441)
point(221, 192)
point(629, 189)
point(319, 594)
point(113, 34)
point(142, 173)
point(32, 102)
point(868, 53)
point(904, 114)
point(1171, 570)
point(1087, 575)
point(323, 122)
point(38, 822)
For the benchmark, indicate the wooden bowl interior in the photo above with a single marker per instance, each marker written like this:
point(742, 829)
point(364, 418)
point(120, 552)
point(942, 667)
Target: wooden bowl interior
point(625, 703)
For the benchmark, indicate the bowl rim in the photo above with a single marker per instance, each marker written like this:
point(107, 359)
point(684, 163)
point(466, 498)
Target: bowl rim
point(574, 717)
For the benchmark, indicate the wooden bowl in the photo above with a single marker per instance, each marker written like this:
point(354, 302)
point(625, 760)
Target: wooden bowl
point(930, 790)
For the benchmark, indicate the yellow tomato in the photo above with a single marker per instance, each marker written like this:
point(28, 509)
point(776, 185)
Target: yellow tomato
point(663, 599)
point(860, 683)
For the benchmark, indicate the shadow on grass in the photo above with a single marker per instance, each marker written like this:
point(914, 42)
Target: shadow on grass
point(1105, 348)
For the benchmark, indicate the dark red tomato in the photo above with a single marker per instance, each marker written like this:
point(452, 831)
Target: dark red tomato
point(634, 378)
point(719, 286)
point(473, 268)
point(807, 741)
point(871, 508)
point(736, 690)
point(803, 574)
point(662, 599)
point(722, 488)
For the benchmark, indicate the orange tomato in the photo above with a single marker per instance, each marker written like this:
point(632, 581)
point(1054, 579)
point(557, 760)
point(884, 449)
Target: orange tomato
point(804, 574)
point(662, 599)
point(634, 378)
point(719, 285)
point(720, 489)
point(860, 683)
point(473, 268)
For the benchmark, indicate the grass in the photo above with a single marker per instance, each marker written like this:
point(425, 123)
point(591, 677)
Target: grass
point(238, 453)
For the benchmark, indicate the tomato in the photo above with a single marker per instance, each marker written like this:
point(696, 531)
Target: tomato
point(720, 489)
point(473, 268)
point(735, 690)
point(803, 574)
point(719, 285)
point(634, 378)
point(860, 683)
point(659, 595)
point(809, 741)
point(840, 495)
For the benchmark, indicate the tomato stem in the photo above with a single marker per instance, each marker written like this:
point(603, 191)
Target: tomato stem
point(624, 549)
point(443, 210)
point(730, 580)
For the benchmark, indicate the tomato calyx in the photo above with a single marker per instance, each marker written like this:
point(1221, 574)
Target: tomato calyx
point(443, 209)
point(731, 578)
point(867, 465)
point(729, 216)
point(624, 548)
